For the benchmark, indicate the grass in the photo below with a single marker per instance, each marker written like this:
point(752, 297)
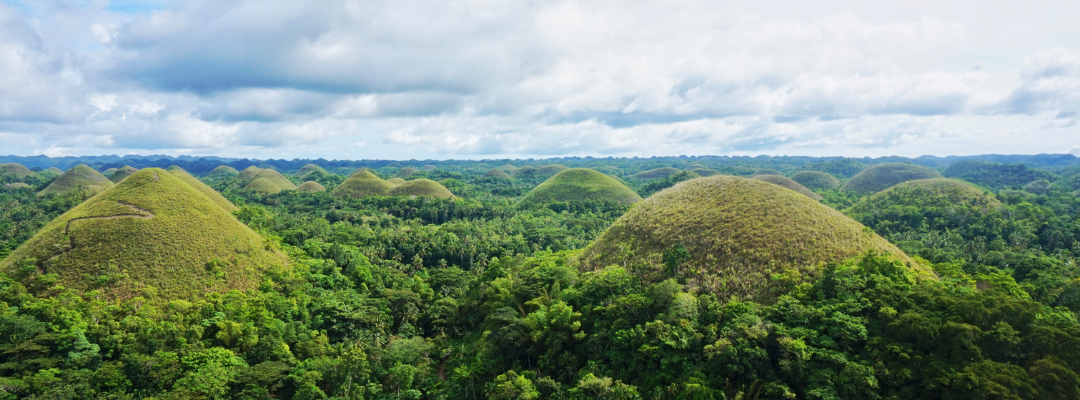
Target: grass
point(311, 187)
point(526, 172)
point(787, 183)
point(550, 170)
point(308, 170)
point(152, 235)
point(362, 183)
point(657, 173)
point(580, 184)
point(707, 172)
point(17, 186)
point(207, 191)
point(223, 172)
point(406, 172)
point(767, 171)
point(884, 176)
point(122, 173)
point(927, 193)
point(15, 171)
point(263, 186)
point(816, 180)
point(248, 173)
point(395, 181)
point(421, 188)
point(497, 173)
point(277, 178)
point(79, 177)
point(737, 233)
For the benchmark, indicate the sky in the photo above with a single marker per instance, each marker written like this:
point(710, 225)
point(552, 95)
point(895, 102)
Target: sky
point(473, 79)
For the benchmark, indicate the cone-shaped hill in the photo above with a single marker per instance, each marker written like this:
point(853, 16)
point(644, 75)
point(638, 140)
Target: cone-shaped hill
point(223, 172)
point(80, 177)
point(657, 173)
point(737, 233)
point(927, 193)
point(122, 173)
point(263, 186)
point(421, 188)
point(580, 184)
point(311, 187)
point(310, 169)
point(395, 181)
point(362, 183)
point(548, 171)
point(786, 182)
point(498, 174)
point(406, 172)
point(884, 176)
point(276, 177)
point(815, 180)
point(248, 173)
point(151, 231)
point(15, 173)
point(208, 191)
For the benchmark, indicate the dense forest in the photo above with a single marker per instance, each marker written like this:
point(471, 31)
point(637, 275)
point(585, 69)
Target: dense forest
point(410, 294)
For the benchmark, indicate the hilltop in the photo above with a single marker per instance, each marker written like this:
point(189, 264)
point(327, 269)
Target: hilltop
point(248, 173)
point(276, 178)
point(311, 187)
point(816, 180)
point(928, 193)
point(884, 176)
point(421, 188)
point(308, 170)
point(498, 174)
point(263, 186)
point(121, 173)
point(736, 232)
point(786, 182)
point(207, 191)
point(580, 184)
point(395, 181)
point(657, 173)
point(406, 172)
point(81, 177)
point(223, 172)
point(151, 234)
point(15, 173)
point(362, 183)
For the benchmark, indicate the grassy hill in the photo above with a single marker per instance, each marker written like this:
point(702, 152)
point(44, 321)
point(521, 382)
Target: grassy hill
point(816, 180)
point(248, 173)
point(767, 171)
point(657, 173)
point(580, 184)
point(786, 182)
point(263, 186)
point(736, 232)
point(927, 193)
point(207, 191)
point(277, 178)
point(79, 177)
point(421, 188)
point(362, 183)
point(406, 172)
point(395, 181)
point(311, 187)
point(15, 172)
point(550, 170)
point(223, 172)
point(884, 176)
point(526, 172)
point(497, 173)
point(152, 233)
point(121, 173)
point(308, 170)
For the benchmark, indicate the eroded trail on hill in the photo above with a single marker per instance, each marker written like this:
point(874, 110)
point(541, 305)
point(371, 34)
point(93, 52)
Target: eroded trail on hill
point(138, 213)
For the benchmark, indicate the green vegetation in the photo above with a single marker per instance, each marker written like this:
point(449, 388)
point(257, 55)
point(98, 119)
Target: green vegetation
point(548, 171)
point(428, 168)
point(995, 175)
point(768, 171)
point(787, 183)
point(406, 172)
point(815, 180)
point(421, 188)
point(395, 181)
point(207, 191)
point(223, 172)
point(120, 173)
point(845, 168)
point(497, 174)
point(361, 184)
point(81, 177)
point(311, 187)
point(706, 172)
point(276, 178)
point(1038, 186)
point(924, 193)
point(580, 184)
point(153, 236)
point(15, 173)
point(308, 170)
point(657, 173)
point(884, 176)
point(17, 186)
point(729, 235)
point(526, 172)
point(263, 187)
point(248, 174)
point(658, 185)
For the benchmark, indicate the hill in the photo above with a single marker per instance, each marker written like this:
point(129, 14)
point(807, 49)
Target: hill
point(50, 173)
point(121, 173)
point(580, 184)
point(527, 172)
point(786, 182)
point(207, 191)
point(223, 172)
point(362, 183)
point(311, 187)
point(767, 171)
point(406, 172)
point(657, 173)
point(498, 174)
point(15, 173)
point(736, 232)
point(395, 181)
point(308, 170)
point(548, 171)
point(421, 188)
point(706, 172)
point(152, 233)
point(263, 186)
point(78, 177)
point(884, 176)
point(927, 193)
point(249, 173)
point(277, 178)
point(816, 180)
point(994, 175)
point(507, 168)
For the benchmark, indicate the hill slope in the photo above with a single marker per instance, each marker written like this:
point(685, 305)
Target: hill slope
point(223, 172)
point(362, 183)
point(786, 182)
point(308, 170)
point(816, 180)
point(122, 173)
point(926, 193)
point(884, 176)
point(657, 173)
point(276, 177)
point(207, 191)
point(311, 187)
point(421, 188)
point(498, 174)
point(248, 173)
point(263, 186)
point(15, 173)
point(995, 175)
point(79, 177)
point(158, 233)
point(580, 184)
point(737, 232)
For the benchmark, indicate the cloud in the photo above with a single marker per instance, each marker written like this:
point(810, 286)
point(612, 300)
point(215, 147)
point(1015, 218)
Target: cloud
point(477, 78)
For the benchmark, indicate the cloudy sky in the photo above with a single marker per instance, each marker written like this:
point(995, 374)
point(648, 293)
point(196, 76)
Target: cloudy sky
point(406, 79)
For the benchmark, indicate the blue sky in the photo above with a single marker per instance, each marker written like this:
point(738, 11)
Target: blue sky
point(406, 79)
